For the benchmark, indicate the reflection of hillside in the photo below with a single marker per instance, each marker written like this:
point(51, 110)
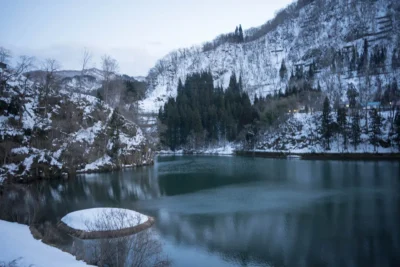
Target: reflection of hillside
point(94, 190)
point(352, 231)
point(281, 212)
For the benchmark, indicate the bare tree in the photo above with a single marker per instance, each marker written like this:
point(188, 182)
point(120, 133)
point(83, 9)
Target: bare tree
point(141, 249)
point(86, 58)
point(5, 55)
point(24, 64)
point(110, 68)
point(48, 81)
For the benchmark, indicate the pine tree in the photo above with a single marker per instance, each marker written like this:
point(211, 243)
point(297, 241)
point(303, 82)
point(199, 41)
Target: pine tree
point(256, 100)
point(283, 70)
point(326, 124)
point(115, 125)
point(233, 85)
point(342, 125)
point(352, 94)
point(395, 59)
point(363, 63)
point(394, 90)
point(397, 129)
point(311, 71)
point(237, 34)
point(99, 99)
point(180, 87)
point(354, 59)
point(240, 84)
point(355, 129)
point(241, 37)
point(376, 128)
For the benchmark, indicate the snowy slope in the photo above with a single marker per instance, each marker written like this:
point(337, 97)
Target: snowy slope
point(301, 134)
point(308, 34)
point(67, 133)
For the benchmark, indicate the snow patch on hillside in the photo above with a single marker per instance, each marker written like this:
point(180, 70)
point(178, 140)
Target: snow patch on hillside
point(99, 163)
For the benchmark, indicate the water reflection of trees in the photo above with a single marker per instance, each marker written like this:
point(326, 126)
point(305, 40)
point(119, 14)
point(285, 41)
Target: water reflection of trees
point(353, 232)
point(356, 226)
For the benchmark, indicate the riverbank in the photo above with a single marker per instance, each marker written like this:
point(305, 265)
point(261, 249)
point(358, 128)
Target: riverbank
point(19, 248)
point(322, 156)
point(287, 154)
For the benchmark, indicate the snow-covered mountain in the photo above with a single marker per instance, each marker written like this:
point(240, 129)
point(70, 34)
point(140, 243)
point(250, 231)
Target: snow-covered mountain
point(86, 82)
point(89, 82)
point(307, 31)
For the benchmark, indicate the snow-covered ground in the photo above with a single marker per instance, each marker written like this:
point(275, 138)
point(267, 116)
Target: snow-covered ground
point(227, 149)
point(300, 134)
point(103, 219)
point(17, 244)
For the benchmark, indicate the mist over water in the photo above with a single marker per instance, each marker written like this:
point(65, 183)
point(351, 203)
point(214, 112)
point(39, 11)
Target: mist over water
point(238, 211)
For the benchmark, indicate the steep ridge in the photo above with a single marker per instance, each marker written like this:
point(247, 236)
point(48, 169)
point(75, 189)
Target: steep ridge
point(305, 33)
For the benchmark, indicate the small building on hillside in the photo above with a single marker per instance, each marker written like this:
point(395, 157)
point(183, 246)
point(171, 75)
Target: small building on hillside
point(372, 105)
point(395, 104)
point(3, 65)
point(299, 108)
point(345, 105)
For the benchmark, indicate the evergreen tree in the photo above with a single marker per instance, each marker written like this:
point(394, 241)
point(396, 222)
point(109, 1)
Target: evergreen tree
point(397, 129)
point(363, 62)
point(394, 91)
point(180, 87)
point(326, 124)
point(376, 128)
point(115, 125)
point(240, 84)
point(283, 70)
point(395, 59)
point(352, 94)
point(256, 100)
point(99, 96)
point(241, 37)
point(342, 125)
point(354, 59)
point(311, 71)
point(237, 38)
point(355, 129)
point(202, 114)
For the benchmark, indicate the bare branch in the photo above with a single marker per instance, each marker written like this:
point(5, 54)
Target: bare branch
point(87, 57)
point(110, 67)
point(24, 64)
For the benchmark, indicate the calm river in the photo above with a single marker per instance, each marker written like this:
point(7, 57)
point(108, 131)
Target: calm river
point(242, 211)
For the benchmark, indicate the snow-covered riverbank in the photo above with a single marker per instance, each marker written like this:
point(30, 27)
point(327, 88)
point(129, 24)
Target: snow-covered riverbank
point(18, 245)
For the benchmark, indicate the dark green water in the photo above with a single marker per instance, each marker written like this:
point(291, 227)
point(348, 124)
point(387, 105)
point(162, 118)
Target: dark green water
point(238, 211)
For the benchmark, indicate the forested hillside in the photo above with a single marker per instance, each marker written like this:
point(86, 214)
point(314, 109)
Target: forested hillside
point(345, 43)
point(203, 116)
point(344, 52)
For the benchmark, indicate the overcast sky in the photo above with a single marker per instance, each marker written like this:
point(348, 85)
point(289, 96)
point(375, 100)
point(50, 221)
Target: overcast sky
point(135, 32)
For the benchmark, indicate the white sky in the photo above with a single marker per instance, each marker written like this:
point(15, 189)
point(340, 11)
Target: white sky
point(135, 32)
